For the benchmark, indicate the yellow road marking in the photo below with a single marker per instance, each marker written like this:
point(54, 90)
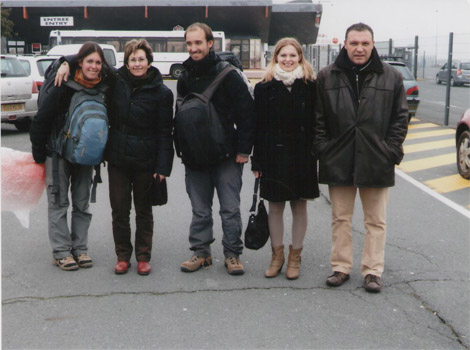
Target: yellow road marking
point(427, 146)
point(448, 183)
point(422, 126)
point(427, 163)
point(422, 135)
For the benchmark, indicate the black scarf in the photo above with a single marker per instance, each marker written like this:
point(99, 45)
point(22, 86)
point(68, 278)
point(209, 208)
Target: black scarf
point(202, 67)
point(137, 82)
point(353, 71)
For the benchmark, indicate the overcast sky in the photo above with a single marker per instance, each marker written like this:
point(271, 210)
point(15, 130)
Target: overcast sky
point(396, 18)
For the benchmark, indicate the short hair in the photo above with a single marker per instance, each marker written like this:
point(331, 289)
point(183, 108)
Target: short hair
point(359, 27)
point(88, 48)
point(137, 44)
point(204, 27)
point(306, 66)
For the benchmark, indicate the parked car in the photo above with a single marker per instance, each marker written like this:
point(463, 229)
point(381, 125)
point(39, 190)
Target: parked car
point(36, 66)
point(411, 86)
point(460, 73)
point(462, 139)
point(19, 94)
point(110, 54)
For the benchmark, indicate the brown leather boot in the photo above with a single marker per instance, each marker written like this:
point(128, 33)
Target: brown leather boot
point(277, 261)
point(293, 263)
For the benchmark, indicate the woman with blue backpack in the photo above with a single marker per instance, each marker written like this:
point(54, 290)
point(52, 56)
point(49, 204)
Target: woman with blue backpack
point(139, 150)
point(69, 246)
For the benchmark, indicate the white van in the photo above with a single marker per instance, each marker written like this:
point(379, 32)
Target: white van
point(109, 51)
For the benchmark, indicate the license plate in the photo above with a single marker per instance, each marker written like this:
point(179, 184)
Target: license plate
point(12, 107)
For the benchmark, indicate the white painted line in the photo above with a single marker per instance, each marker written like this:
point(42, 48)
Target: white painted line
point(436, 195)
point(443, 104)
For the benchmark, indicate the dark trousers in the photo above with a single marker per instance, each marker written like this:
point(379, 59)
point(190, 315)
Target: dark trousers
point(122, 184)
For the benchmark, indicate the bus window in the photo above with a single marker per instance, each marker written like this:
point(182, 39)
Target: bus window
point(176, 45)
point(158, 45)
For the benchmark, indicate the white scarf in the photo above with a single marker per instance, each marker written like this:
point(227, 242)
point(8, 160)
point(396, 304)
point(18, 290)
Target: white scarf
point(288, 78)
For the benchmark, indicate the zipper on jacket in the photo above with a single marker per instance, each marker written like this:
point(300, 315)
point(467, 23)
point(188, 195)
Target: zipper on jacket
point(357, 89)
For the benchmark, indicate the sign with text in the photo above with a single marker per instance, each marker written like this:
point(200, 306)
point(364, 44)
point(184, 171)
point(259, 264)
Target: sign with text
point(57, 21)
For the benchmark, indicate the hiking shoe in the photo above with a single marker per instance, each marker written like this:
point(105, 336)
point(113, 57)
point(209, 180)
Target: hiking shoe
point(83, 260)
point(66, 264)
point(372, 283)
point(234, 266)
point(195, 263)
point(337, 279)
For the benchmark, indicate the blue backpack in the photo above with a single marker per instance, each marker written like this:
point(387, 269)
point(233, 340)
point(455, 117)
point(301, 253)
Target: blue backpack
point(83, 138)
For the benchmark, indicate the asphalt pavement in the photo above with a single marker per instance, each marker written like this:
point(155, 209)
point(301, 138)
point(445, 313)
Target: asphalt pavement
point(424, 303)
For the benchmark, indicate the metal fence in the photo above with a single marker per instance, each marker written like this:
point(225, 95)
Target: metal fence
point(424, 56)
point(418, 53)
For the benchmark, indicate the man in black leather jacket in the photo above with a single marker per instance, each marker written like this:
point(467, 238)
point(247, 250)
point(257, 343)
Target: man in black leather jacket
point(360, 125)
point(235, 106)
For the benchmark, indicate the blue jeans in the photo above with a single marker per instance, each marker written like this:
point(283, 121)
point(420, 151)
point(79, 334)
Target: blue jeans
point(226, 178)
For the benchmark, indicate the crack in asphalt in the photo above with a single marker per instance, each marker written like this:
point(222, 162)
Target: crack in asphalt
point(352, 291)
point(428, 308)
point(30, 298)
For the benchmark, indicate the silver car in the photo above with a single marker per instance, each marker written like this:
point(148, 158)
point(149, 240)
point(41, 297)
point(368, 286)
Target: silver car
point(36, 66)
point(460, 74)
point(19, 94)
point(410, 84)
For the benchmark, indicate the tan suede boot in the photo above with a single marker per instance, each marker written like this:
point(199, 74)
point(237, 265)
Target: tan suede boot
point(276, 262)
point(293, 263)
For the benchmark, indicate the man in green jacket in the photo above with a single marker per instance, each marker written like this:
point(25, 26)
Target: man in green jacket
point(360, 125)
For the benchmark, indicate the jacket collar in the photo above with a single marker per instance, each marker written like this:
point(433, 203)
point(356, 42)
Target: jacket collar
point(202, 67)
point(343, 62)
point(153, 77)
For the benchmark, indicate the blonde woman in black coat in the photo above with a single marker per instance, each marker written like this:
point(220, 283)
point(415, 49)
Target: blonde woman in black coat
point(282, 156)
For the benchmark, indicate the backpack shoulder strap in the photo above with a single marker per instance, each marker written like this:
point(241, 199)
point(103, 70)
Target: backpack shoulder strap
point(74, 85)
point(77, 87)
point(209, 91)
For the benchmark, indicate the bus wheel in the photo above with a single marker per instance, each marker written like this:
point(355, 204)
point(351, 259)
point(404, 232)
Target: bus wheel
point(176, 70)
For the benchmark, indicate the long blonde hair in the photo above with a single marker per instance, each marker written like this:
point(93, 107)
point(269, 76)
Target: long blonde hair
point(306, 66)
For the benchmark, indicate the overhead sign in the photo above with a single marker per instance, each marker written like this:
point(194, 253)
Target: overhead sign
point(57, 21)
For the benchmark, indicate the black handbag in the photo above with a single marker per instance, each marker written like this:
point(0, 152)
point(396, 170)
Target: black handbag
point(257, 231)
point(159, 192)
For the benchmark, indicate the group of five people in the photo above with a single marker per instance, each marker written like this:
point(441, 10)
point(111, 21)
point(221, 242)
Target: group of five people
point(351, 120)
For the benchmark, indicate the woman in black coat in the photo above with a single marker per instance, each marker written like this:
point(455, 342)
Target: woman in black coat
point(139, 150)
point(282, 156)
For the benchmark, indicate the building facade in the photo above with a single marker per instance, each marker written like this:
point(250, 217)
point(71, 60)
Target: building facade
point(250, 26)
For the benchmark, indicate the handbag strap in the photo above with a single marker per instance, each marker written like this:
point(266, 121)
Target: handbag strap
point(255, 196)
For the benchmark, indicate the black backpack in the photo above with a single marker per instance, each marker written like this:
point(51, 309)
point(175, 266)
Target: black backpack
point(200, 138)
